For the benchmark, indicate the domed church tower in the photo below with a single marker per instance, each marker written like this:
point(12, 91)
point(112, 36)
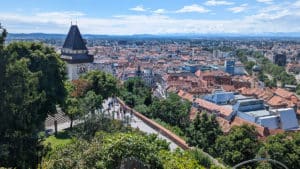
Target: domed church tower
point(75, 53)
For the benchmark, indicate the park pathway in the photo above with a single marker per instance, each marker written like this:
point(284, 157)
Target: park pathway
point(63, 122)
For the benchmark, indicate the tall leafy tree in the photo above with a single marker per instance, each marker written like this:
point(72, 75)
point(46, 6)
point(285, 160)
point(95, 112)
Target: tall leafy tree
point(71, 108)
point(76, 90)
point(46, 61)
point(203, 131)
point(91, 102)
point(239, 145)
point(135, 92)
point(172, 110)
point(284, 148)
point(20, 116)
point(103, 84)
point(31, 84)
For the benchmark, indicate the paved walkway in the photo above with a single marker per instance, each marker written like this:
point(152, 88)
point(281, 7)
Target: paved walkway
point(135, 122)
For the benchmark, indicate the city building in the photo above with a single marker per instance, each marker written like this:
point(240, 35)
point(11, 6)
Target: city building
point(229, 66)
point(191, 67)
point(253, 110)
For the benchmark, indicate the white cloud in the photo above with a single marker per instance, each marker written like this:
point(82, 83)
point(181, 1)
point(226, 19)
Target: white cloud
point(238, 9)
point(283, 17)
point(297, 4)
point(159, 11)
point(65, 14)
point(138, 8)
point(265, 1)
point(193, 8)
point(216, 3)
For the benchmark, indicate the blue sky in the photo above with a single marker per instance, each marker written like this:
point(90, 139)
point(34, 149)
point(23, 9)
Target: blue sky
point(126, 17)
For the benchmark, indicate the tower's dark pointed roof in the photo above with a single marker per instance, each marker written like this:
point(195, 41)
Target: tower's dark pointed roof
point(74, 49)
point(74, 39)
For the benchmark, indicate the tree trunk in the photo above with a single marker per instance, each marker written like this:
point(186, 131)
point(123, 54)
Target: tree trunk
point(71, 124)
point(55, 127)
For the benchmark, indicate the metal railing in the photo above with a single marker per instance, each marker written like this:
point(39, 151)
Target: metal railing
point(258, 160)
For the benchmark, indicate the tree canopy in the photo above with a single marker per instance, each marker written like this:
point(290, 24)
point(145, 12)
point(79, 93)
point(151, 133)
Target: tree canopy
point(102, 83)
point(135, 92)
point(203, 131)
point(284, 148)
point(108, 150)
point(32, 84)
point(240, 144)
point(172, 110)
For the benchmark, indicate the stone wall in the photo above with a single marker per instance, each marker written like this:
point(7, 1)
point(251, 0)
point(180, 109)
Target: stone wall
point(177, 140)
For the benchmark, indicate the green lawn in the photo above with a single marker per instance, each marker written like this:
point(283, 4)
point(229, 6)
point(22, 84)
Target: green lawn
point(61, 139)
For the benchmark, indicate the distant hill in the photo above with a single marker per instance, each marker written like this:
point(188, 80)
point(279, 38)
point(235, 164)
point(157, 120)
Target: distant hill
point(35, 36)
point(39, 36)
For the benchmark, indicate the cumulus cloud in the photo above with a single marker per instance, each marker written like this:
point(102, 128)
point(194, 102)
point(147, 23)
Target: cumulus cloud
point(238, 9)
point(138, 8)
point(192, 8)
point(265, 1)
point(217, 2)
point(297, 3)
point(159, 11)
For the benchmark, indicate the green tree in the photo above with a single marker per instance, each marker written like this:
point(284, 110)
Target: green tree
point(201, 158)
point(108, 150)
point(203, 131)
point(103, 84)
point(46, 61)
point(71, 108)
point(298, 89)
point(91, 102)
point(142, 109)
point(172, 110)
point(179, 160)
point(284, 148)
point(249, 65)
point(31, 84)
point(241, 55)
point(20, 117)
point(238, 145)
point(135, 92)
point(3, 34)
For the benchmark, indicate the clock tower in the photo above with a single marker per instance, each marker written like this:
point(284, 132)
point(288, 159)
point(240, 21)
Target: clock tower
point(75, 53)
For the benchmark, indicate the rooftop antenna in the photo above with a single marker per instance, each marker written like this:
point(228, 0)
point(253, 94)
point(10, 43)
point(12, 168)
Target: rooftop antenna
point(71, 23)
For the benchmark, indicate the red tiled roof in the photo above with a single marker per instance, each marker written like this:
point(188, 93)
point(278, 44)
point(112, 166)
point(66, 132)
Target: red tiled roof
point(213, 107)
point(228, 88)
point(224, 124)
point(262, 131)
point(193, 113)
point(284, 93)
point(276, 101)
point(186, 96)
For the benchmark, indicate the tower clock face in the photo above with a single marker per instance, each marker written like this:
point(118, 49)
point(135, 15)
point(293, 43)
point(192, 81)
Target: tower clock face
point(82, 68)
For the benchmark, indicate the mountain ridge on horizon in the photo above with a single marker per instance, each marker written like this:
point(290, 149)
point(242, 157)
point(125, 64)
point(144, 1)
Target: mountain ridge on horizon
point(173, 35)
